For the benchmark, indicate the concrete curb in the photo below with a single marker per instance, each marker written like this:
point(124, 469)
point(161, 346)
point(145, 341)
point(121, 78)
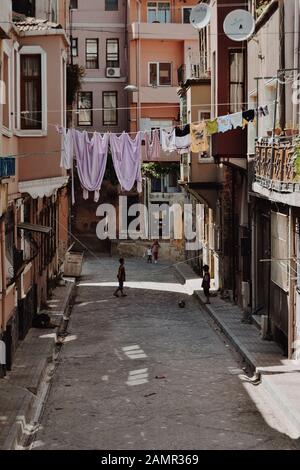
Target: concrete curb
point(23, 414)
point(245, 354)
point(282, 400)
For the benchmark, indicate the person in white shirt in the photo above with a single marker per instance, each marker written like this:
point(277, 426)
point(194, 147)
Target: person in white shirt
point(149, 254)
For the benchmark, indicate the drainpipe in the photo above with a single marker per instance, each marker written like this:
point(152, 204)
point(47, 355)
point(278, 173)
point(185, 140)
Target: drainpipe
point(138, 74)
point(296, 58)
point(292, 269)
point(3, 278)
point(282, 62)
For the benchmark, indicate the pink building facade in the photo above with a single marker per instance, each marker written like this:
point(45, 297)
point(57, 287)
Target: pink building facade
point(99, 44)
point(33, 186)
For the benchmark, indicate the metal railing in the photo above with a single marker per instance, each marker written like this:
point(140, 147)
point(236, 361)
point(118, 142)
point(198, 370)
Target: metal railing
point(192, 72)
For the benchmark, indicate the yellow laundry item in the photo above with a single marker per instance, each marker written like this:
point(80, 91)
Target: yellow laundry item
point(212, 127)
point(199, 137)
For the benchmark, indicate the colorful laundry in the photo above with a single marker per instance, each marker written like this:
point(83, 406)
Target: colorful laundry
point(152, 146)
point(236, 120)
point(224, 123)
point(211, 127)
point(249, 115)
point(91, 157)
point(199, 142)
point(168, 140)
point(182, 139)
point(126, 155)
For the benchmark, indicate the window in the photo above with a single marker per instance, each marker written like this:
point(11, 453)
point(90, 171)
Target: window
point(112, 52)
point(173, 178)
point(111, 5)
point(186, 12)
point(75, 47)
point(91, 47)
point(159, 74)
point(31, 91)
point(85, 105)
point(6, 91)
point(237, 81)
point(73, 4)
point(110, 104)
point(158, 12)
point(156, 185)
point(25, 7)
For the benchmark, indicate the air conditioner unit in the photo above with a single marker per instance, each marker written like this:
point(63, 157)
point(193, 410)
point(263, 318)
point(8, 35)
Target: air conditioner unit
point(113, 72)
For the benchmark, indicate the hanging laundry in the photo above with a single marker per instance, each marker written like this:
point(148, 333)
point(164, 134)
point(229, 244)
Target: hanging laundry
point(126, 155)
point(224, 123)
point(199, 137)
point(183, 139)
point(263, 111)
point(249, 115)
point(168, 140)
point(67, 150)
point(152, 146)
point(211, 127)
point(91, 157)
point(67, 154)
point(236, 120)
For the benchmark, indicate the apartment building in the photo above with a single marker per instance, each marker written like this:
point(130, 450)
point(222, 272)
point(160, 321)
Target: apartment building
point(273, 67)
point(34, 197)
point(163, 46)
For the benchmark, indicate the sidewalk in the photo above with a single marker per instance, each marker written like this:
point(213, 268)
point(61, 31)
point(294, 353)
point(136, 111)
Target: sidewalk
point(279, 377)
point(20, 388)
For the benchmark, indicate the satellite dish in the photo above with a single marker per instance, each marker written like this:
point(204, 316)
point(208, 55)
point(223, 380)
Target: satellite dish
point(239, 25)
point(200, 15)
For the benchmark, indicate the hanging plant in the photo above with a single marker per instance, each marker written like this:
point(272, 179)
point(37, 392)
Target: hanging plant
point(296, 158)
point(157, 170)
point(75, 74)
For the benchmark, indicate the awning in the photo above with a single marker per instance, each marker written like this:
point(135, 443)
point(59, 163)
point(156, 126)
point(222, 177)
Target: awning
point(35, 228)
point(44, 187)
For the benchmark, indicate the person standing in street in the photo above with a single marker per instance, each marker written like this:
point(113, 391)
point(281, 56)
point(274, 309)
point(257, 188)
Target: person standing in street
point(149, 254)
point(206, 283)
point(155, 248)
point(121, 278)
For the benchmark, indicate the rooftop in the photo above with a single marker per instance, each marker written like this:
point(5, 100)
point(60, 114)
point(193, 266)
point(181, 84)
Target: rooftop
point(25, 24)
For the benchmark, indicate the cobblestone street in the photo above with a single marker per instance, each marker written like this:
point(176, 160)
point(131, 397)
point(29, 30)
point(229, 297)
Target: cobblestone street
point(141, 373)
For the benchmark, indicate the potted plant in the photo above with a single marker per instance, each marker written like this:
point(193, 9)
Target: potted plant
point(278, 129)
point(290, 130)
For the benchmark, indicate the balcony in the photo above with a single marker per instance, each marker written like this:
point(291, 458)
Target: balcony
point(275, 174)
point(7, 167)
point(192, 72)
point(166, 31)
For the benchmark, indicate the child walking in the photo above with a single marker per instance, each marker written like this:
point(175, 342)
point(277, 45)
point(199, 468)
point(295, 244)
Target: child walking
point(206, 283)
point(121, 278)
point(149, 254)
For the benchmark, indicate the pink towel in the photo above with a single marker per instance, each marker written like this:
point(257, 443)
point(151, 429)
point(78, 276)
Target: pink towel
point(91, 156)
point(126, 155)
point(152, 147)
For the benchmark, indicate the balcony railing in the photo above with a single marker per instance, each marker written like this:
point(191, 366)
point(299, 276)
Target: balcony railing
point(274, 165)
point(7, 167)
point(192, 72)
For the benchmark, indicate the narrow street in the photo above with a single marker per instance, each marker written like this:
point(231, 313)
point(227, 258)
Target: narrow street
point(141, 373)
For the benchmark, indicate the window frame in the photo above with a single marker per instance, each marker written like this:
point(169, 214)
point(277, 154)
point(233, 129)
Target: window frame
point(243, 83)
point(182, 14)
point(79, 124)
point(106, 5)
point(7, 90)
point(157, 73)
point(118, 53)
point(32, 132)
point(26, 124)
point(156, 12)
point(105, 123)
point(86, 53)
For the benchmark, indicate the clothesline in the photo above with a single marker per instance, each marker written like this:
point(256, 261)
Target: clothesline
point(165, 106)
point(91, 154)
